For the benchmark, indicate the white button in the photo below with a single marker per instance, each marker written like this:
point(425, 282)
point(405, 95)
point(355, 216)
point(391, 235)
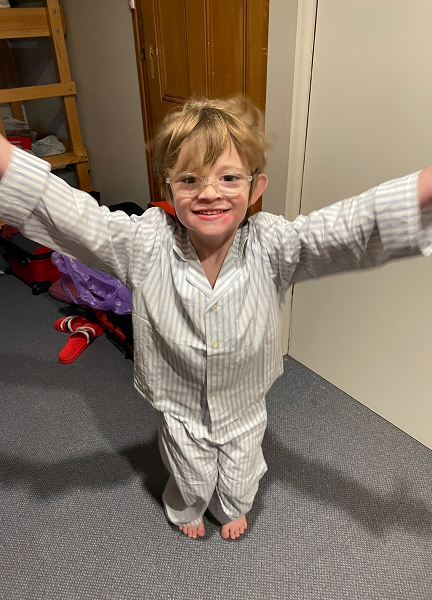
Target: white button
point(215, 345)
point(214, 307)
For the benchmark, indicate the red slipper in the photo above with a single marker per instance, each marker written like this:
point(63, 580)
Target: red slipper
point(70, 324)
point(78, 342)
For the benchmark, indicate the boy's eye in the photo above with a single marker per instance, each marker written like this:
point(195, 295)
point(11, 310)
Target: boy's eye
point(189, 180)
point(229, 178)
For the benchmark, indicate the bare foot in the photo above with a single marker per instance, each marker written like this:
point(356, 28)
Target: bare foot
point(234, 529)
point(193, 530)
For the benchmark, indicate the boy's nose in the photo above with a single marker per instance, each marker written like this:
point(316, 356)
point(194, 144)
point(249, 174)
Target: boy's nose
point(209, 191)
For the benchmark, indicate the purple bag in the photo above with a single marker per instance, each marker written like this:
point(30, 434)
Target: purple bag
point(94, 288)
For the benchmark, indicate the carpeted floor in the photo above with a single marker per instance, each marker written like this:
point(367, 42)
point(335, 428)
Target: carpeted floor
point(344, 513)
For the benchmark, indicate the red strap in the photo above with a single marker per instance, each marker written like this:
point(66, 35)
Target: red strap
point(88, 331)
point(165, 205)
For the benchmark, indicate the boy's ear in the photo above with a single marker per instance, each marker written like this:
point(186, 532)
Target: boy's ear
point(260, 186)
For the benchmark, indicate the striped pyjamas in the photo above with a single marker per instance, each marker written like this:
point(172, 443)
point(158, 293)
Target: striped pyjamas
point(203, 354)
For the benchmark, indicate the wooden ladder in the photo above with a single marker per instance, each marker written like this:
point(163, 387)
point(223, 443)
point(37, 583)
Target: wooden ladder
point(43, 22)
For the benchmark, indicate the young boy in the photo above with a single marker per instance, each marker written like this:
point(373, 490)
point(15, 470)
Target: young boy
point(209, 286)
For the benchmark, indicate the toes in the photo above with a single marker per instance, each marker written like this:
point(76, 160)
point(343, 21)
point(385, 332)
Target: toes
point(193, 531)
point(234, 529)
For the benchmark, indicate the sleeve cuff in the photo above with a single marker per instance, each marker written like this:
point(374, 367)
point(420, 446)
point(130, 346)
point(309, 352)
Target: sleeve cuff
point(22, 186)
point(401, 223)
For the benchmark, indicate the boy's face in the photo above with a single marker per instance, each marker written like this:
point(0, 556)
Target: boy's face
point(228, 211)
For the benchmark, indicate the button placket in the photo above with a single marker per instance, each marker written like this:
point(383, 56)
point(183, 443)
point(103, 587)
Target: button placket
point(213, 343)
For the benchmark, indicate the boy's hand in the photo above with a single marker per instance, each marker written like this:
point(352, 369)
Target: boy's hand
point(5, 154)
point(424, 189)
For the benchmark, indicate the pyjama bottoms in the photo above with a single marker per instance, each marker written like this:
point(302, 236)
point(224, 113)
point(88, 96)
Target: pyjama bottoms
point(223, 477)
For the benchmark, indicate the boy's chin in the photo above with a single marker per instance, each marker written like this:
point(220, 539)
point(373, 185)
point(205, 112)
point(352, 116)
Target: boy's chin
point(211, 240)
point(209, 226)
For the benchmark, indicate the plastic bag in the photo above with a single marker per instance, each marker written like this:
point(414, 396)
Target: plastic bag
point(95, 288)
point(48, 146)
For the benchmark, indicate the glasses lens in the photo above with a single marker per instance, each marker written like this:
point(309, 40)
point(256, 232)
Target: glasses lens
point(231, 183)
point(189, 184)
point(186, 185)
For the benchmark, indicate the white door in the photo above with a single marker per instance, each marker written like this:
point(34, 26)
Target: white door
point(370, 333)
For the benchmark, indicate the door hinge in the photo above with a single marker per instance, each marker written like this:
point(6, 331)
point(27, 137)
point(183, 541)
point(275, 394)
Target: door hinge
point(142, 54)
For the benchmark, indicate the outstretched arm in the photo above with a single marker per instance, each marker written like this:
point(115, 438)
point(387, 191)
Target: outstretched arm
point(392, 220)
point(46, 209)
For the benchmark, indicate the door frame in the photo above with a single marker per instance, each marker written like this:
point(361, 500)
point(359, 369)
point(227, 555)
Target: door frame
point(296, 130)
point(144, 93)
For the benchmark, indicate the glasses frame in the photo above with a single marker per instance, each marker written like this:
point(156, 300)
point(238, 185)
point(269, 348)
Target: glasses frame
point(206, 181)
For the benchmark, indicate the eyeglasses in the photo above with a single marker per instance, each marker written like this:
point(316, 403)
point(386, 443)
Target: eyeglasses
point(228, 184)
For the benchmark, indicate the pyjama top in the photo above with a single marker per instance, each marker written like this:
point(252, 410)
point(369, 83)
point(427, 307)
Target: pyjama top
point(210, 355)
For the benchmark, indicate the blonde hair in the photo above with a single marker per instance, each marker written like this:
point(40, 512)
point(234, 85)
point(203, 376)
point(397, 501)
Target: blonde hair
point(203, 128)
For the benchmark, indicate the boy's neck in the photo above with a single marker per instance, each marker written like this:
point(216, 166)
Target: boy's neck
point(211, 253)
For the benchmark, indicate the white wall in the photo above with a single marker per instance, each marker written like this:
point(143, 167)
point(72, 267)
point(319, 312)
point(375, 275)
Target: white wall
point(369, 333)
point(100, 44)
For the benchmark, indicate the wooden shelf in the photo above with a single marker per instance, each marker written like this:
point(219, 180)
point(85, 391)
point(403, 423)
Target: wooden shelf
point(23, 23)
point(36, 92)
point(16, 23)
point(69, 158)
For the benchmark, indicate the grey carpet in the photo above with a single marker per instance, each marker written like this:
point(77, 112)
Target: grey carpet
point(345, 511)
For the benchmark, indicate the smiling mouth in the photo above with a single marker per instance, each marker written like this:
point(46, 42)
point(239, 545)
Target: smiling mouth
point(210, 212)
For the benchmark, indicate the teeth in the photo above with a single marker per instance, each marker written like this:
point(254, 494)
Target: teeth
point(210, 212)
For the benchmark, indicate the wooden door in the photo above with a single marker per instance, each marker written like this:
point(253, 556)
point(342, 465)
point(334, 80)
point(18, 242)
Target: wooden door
point(210, 48)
